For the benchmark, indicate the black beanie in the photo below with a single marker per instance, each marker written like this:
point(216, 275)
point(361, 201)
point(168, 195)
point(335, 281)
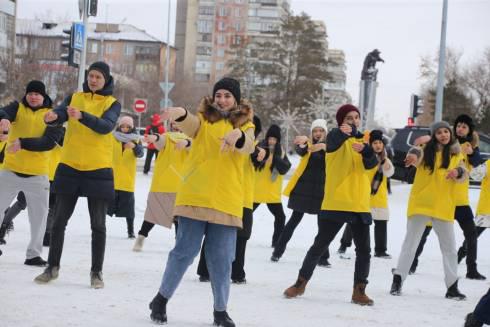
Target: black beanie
point(229, 84)
point(102, 68)
point(36, 86)
point(465, 119)
point(376, 135)
point(274, 131)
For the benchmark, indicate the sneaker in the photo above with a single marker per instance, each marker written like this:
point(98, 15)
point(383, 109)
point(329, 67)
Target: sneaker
point(36, 261)
point(324, 263)
point(138, 245)
point(396, 286)
point(131, 236)
point(239, 281)
point(96, 281)
point(275, 258)
point(475, 275)
point(453, 293)
point(221, 318)
point(382, 255)
point(204, 279)
point(158, 307)
point(49, 274)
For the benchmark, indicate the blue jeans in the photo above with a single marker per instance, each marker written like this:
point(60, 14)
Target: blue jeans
point(219, 251)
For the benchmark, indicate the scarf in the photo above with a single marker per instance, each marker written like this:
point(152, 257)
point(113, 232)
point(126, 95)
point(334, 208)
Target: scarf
point(126, 138)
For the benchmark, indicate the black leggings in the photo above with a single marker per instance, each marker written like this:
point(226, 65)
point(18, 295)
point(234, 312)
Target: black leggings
point(279, 219)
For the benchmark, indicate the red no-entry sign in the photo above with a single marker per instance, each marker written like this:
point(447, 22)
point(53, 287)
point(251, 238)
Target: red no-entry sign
point(140, 105)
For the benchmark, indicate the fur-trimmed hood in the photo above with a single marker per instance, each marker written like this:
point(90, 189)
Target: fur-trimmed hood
point(474, 140)
point(454, 148)
point(238, 117)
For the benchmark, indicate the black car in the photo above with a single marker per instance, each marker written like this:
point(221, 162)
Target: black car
point(404, 139)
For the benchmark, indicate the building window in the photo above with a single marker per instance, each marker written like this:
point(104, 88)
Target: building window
point(221, 26)
point(237, 39)
point(221, 39)
point(204, 26)
point(128, 50)
point(206, 37)
point(206, 11)
point(108, 48)
point(220, 53)
point(268, 13)
point(203, 51)
point(203, 67)
point(222, 12)
point(237, 26)
point(237, 12)
point(220, 65)
point(94, 47)
point(252, 12)
point(201, 77)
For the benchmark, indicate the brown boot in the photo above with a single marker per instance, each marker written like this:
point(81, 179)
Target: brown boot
point(297, 289)
point(359, 295)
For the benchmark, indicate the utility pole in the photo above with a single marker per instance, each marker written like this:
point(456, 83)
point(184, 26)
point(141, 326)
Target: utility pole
point(442, 62)
point(167, 55)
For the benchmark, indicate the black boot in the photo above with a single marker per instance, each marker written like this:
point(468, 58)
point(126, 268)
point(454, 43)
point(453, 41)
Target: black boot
point(454, 293)
point(158, 307)
point(221, 318)
point(474, 274)
point(396, 286)
point(3, 232)
point(471, 321)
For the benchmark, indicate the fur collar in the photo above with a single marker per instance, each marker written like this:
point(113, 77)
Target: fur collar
point(237, 117)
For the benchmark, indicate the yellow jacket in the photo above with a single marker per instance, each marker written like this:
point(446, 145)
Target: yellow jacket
point(27, 124)
point(168, 174)
point(484, 201)
point(124, 167)
point(347, 185)
point(433, 194)
point(213, 179)
point(266, 190)
point(461, 190)
point(83, 148)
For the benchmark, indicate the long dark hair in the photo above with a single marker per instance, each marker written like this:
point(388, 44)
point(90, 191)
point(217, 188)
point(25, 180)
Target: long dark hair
point(430, 153)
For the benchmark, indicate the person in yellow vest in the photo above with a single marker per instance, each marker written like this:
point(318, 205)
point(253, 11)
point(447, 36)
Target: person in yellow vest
point(127, 148)
point(306, 186)
point(346, 200)
point(440, 166)
point(482, 173)
point(238, 275)
point(26, 161)
point(173, 147)
point(269, 176)
point(463, 130)
point(85, 168)
point(209, 201)
point(54, 160)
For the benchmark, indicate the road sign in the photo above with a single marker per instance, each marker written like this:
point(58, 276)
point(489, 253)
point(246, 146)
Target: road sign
point(140, 105)
point(78, 31)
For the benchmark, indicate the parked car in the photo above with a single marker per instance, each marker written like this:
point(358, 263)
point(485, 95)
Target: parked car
point(404, 139)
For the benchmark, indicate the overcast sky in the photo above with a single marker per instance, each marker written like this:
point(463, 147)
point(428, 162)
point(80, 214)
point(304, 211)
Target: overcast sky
point(403, 30)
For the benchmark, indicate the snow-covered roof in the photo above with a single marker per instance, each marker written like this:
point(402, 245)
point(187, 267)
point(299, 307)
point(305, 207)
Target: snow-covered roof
point(126, 32)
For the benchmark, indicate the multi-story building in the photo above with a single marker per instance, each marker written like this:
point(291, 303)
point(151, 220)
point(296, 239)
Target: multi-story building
point(334, 91)
point(135, 56)
point(208, 30)
point(7, 37)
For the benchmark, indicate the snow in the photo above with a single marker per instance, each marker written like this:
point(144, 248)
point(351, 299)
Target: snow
point(132, 279)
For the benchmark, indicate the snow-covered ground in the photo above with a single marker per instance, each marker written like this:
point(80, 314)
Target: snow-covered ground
point(132, 279)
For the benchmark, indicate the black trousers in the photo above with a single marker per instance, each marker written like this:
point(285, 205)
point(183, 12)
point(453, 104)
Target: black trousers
point(327, 230)
point(464, 216)
point(287, 233)
point(65, 204)
point(146, 227)
point(149, 157)
point(420, 248)
point(380, 236)
point(238, 265)
point(464, 247)
point(279, 219)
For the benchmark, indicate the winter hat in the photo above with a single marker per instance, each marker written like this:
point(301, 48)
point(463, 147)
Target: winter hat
point(102, 68)
point(322, 123)
point(258, 126)
point(36, 86)
point(465, 119)
point(155, 119)
point(343, 111)
point(229, 84)
point(274, 131)
point(440, 124)
point(376, 135)
point(126, 120)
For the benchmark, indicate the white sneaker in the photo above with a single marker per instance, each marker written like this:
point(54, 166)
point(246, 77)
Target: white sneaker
point(138, 245)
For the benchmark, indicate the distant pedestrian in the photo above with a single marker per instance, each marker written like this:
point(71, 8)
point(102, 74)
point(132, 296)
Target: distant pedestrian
point(155, 128)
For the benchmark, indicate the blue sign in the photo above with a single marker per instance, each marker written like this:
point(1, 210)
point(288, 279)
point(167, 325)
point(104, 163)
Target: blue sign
point(78, 35)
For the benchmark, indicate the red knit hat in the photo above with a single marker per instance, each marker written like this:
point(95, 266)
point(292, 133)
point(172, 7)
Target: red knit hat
point(343, 111)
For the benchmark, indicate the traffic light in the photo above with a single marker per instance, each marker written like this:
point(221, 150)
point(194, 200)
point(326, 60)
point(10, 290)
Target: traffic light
point(416, 105)
point(68, 45)
point(92, 8)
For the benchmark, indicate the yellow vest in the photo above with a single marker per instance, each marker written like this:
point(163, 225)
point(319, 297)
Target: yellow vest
point(461, 190)
point(213, 179)
point(347, 185)
point(266, 190)
point(27, 124)
point(380, 199)
point(2, 148)
point(484, 201)
point(54, 160)
point(169, 165)
point(84, 149)
point(297, 174)
point(432, 194)
point(124, 166)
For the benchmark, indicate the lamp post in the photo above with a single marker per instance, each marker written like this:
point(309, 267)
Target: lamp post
point(442, 61)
